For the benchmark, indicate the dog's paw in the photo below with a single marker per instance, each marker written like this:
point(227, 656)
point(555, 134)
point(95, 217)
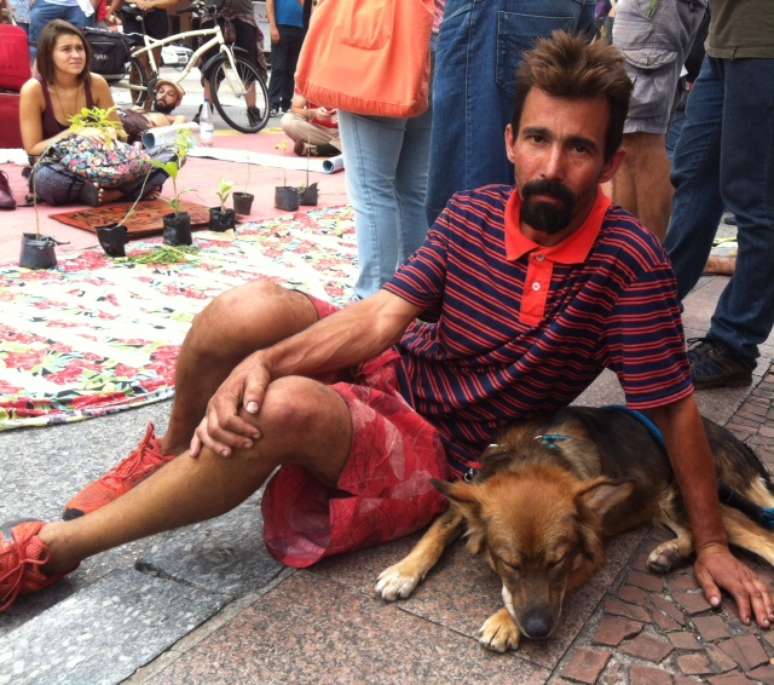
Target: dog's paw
point(395, 582)
point(666, 557)
point(499, 633)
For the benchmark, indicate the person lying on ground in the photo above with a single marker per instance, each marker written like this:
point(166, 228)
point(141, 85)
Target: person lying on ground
point(136, 121)
point(63, 88)
point(539, 287)
point(314, 130)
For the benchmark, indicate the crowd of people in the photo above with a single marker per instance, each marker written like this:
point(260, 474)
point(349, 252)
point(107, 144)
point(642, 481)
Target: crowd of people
point(496, 280)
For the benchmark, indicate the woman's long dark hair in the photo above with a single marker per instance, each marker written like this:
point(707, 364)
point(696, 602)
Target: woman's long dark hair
point(51, 33)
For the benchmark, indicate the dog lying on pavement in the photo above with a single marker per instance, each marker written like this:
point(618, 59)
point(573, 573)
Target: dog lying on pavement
point(550, 493)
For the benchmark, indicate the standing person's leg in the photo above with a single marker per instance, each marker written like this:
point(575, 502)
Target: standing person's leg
point(372, 148)
point(279, 66)
point(744, 314)
point(655, 46)
point(470, 108)
point(295, 38)
point(697, 206)
point(411, 185)
point(41, 13)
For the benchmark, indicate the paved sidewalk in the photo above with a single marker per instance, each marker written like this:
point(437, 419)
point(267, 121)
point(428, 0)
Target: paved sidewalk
point(208, 605)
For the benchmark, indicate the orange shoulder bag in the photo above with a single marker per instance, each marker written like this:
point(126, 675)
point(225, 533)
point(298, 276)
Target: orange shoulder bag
point(368, 56)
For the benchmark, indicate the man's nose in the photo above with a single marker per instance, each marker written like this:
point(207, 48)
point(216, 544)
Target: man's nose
point(553, 164)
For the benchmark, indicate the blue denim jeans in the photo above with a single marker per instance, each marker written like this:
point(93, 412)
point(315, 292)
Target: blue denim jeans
point(725, 157)
point(43, 12)
point(386, 161)
point(477, 54)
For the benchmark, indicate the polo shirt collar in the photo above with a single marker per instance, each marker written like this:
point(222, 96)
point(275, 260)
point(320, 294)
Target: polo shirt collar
point(573, 250)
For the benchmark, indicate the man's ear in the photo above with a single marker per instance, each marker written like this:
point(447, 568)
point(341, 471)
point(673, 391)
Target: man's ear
point(600, 495)
point(611, 165)
point(510, 142)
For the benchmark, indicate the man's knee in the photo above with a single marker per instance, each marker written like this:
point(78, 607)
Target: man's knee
point(301, 409)
point(246, 314)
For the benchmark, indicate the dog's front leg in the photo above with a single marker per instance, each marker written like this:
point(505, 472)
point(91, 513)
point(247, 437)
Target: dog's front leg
point(401, 579)
point(499, 632)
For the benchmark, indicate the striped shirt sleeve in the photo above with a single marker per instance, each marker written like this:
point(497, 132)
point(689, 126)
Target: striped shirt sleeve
point(422, 279)
point(645, 341)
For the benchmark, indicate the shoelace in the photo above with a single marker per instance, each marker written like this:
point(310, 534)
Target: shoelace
point(147, 451)
point(18, 571)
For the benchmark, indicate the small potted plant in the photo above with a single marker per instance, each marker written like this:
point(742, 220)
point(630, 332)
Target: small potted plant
point(177, 224)
point(243, 200)
point(285, 196)
point(37, 251)
point(307, 194)
point(222, 219)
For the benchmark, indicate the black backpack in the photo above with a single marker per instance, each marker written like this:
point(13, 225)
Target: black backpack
point(109, 53)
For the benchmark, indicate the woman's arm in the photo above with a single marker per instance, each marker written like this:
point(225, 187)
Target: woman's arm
point(31, 107)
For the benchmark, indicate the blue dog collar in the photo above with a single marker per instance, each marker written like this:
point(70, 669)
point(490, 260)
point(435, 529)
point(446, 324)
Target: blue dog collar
point(653, 429)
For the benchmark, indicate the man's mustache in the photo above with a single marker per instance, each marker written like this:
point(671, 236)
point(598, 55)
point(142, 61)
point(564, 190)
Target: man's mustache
point(551, 188)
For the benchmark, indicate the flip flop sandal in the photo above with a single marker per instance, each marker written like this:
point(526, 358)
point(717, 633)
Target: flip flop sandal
point(91, 194)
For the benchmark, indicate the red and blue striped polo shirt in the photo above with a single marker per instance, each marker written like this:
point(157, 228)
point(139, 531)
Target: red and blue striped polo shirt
point(524, 329)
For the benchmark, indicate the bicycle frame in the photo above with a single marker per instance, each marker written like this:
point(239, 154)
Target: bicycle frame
point(217, 40)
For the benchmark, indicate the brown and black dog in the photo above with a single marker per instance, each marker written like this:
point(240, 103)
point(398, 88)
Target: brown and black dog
point(549, 494)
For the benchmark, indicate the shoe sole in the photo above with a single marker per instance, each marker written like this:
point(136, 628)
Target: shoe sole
point(70, 514)
point(723, 383)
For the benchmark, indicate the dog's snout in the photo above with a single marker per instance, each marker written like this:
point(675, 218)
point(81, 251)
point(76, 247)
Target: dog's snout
point(537, 623)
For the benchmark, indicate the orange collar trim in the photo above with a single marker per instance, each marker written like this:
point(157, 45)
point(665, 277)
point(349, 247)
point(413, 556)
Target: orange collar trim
point(572, 250)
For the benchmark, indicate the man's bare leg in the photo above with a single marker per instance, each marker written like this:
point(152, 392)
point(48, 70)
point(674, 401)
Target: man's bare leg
point(642, 184)
point(233, 325)
point(302, 422)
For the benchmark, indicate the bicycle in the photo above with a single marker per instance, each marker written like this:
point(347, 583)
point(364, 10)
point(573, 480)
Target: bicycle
point(231, 74)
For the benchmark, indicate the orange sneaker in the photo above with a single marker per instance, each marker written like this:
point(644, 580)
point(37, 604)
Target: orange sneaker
point(141, 463)
point(22, 554)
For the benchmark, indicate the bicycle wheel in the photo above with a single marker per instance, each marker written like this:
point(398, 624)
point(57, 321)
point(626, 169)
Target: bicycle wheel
point(138, 78)
point(228, 91)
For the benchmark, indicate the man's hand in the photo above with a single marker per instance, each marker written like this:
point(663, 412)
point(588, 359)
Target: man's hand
point(716, 568)
point(275, 35)
point(225, 426)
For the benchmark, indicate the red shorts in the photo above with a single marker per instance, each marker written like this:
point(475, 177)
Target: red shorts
point(384, 491)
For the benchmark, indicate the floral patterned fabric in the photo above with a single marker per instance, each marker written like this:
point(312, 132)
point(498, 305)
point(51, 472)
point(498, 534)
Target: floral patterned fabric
point(97, 336)
point(88, 158)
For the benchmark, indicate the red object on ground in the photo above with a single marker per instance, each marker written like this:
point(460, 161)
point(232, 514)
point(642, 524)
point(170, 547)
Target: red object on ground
point(10, 130)
point(21, 559)
point(14, 58)
point(140, 464)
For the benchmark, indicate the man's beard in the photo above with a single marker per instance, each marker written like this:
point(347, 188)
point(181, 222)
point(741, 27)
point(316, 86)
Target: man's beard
point(546, 216)
point(163, 106)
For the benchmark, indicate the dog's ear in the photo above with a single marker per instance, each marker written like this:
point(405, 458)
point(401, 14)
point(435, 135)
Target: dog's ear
point(463, 497)
point(600, 495)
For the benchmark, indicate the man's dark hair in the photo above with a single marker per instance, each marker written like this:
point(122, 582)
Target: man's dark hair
point(568, 66)
point(45, 58)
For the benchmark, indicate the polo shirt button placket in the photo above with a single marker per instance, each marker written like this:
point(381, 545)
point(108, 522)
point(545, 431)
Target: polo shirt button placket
point(536, 286)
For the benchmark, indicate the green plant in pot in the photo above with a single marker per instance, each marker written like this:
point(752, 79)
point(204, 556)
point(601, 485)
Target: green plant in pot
point(221, 218)
point(113, 237)
point(307, 194)
point(39, 251)
point(285, 196)
point(177, 224)
point(243, 200)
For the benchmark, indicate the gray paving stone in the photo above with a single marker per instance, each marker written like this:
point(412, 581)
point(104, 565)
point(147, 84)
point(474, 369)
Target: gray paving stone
point(104, 633)
point(225, 555)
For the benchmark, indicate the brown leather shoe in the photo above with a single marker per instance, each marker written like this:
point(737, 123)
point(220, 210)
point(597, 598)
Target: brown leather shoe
point(6, 198)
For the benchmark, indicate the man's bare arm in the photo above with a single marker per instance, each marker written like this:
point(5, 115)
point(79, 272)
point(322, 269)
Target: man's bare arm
point(694, 469)
point(353, 335)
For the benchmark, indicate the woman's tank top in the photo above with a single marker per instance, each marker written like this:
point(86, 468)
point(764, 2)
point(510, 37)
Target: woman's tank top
point(50, 125)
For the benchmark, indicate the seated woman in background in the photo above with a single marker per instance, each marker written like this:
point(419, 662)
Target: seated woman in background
point(64, 86)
